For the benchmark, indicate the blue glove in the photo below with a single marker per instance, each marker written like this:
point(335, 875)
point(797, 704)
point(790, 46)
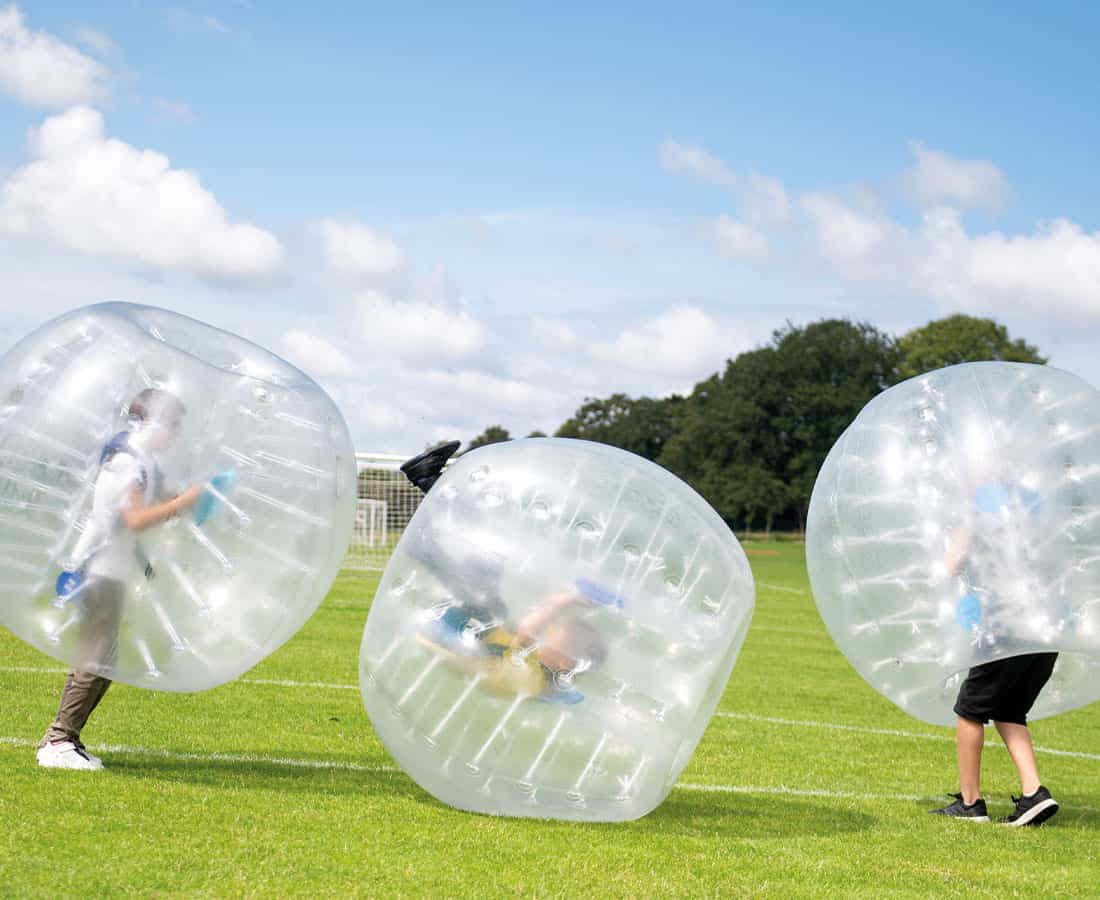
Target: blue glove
point(968, 612)
point(68, 584)
point(599, 594)
point(208, 503)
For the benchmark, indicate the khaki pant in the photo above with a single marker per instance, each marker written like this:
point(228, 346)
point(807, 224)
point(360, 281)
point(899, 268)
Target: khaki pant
point(97, 648)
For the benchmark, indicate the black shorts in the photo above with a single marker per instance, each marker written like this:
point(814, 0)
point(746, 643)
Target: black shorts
point(1004, 690)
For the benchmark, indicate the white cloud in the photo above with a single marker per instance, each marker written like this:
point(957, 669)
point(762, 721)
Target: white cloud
point(738, 240)
point(938, 178)
point(381, 415)
point(1059, 262)
point(487, 394)
point(766, 200)
point(552, 332)
point(315, 355)
point(1053, 270)
point(354, 249)
point(97, 41)
point(40, 70)
point(103, 197)
point(763, 197)
point(416, 330)
point(846, 235)
point(1056, 266)
point(683, 340)
point(686, 159)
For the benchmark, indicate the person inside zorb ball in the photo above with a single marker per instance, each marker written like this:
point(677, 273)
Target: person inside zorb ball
point(953, 545)
point(554, 630)
point(174, 504)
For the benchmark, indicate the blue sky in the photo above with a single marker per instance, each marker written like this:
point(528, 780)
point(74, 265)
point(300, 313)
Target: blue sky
point(581, 201)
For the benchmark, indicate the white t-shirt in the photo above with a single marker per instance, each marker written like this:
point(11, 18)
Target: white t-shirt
point(108, 548)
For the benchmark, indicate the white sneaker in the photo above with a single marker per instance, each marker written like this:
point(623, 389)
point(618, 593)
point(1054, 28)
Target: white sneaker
point(95, 760)
point(67, 755)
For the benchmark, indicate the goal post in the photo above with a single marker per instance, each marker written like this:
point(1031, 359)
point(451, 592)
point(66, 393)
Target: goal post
point(386, 502)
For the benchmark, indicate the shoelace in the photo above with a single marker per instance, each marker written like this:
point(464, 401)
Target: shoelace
point(964, 804)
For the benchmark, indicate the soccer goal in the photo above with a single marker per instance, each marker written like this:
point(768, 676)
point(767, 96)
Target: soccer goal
point(386, 503)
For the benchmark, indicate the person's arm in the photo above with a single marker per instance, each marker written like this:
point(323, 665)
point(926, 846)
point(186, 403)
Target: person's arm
point(958, 546)
point(137, 516)
point(542, 615)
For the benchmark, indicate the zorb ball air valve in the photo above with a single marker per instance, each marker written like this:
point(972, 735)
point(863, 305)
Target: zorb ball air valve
point(107, 414)
point(956, 522)
point(554, 631)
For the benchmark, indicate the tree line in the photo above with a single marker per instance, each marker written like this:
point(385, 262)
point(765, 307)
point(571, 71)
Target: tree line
point(751, 438)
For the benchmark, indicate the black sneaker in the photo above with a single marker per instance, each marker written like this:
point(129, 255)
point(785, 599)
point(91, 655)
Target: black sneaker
point(976, 811)
point(423, 470)
point(1033, 810)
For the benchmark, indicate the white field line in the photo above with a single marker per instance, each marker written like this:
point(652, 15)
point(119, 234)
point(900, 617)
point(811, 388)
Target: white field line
point(779, 587)
point(359, 767)
point(296, 684)
point(794, 792)
point(888, 732)
point(810, 632)
point(747, 717)
point(337, 765)
point(218, 757)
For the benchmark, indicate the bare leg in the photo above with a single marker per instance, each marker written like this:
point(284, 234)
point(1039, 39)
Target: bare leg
point(1017, 739)
point(969, 740)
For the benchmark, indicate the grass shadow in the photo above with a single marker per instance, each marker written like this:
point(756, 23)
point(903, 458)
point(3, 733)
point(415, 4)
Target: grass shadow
point(686, 813)
point(267, 775)
point(753, 816)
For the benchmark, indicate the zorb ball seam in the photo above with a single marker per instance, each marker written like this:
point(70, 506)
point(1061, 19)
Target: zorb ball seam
point(554, 631)
point(957, 522)
point(117, 407)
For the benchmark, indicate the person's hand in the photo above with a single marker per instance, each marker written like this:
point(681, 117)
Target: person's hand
point(190, 497)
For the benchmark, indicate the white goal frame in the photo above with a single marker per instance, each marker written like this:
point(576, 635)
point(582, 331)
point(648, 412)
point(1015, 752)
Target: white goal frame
point(386, 502)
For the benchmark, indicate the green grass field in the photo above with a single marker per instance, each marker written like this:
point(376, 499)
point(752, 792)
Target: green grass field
point(807, 783)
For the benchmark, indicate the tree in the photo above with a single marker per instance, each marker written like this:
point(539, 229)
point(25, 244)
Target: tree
point(753, 439)
point(641, 425)
point(494, 434)
point(960, 339)
point(830, 370)
point(537, 434)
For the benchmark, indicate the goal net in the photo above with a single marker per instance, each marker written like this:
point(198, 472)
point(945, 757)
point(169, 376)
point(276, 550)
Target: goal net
point(386, 503)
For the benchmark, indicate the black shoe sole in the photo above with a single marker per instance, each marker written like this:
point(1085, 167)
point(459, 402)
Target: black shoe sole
point(1035, 816)
point(424, 469)
point(962, 818)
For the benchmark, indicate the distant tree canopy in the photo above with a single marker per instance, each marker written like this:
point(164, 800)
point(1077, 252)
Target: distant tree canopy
point(494, 434)
point(959, 339)
point(641, 426)
point(752, 438)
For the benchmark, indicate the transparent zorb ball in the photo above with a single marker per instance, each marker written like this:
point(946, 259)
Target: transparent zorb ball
point(956, 522)
point(554, 631)
point(195, 601)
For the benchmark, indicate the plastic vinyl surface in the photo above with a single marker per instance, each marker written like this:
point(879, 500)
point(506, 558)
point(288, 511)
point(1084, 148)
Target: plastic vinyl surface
point(554, 631)
point(196, 600)
point(956, 522)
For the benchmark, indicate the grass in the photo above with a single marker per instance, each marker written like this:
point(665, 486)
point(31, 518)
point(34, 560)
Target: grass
point(258, 789)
